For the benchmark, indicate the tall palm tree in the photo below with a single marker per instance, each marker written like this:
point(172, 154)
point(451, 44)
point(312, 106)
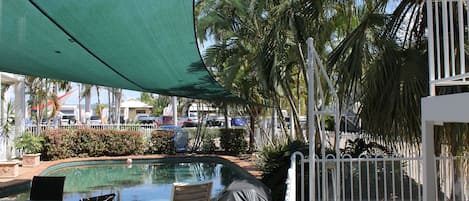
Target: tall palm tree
point(259, 42)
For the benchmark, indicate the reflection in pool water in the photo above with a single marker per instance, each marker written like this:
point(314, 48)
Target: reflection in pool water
point(142, 181)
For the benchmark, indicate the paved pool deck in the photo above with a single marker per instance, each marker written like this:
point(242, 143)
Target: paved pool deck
point(26, 174)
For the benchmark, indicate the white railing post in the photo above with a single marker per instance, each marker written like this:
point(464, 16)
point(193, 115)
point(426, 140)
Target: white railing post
point(291, 180)
point(431, 48)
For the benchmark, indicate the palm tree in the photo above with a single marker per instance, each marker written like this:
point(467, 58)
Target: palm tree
point(374, 58)
point(259, 42)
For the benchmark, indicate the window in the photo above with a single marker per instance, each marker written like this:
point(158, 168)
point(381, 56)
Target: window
point(140, 111)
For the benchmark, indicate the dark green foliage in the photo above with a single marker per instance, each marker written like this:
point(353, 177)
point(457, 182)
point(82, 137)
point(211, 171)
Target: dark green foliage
point(359, 146)
point(275, 161)
point(233, 140)
point(208, 146)
point(161, 142)
point(63, 143)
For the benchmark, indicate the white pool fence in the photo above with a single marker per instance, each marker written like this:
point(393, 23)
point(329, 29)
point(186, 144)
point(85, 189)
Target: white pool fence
point(377, 178)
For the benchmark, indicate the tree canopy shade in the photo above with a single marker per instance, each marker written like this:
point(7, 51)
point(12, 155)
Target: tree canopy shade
point(142, 45)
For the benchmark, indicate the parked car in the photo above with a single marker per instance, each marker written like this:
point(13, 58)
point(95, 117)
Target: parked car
point(95, 119)
point(181, 137)
point(238, 121)
point(165, 120)
point(146, 119)
point(215, 121)
point(190, 121)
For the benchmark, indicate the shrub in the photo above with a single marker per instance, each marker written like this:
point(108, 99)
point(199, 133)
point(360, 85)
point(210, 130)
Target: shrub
point(274, 162)
point(161, 142)
point(63, 143)
point(58, 143)
point(29, 143)
point(122, 143)
point(233, 140)
point(208, 146)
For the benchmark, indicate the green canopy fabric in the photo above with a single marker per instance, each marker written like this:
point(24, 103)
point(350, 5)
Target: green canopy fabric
point(143, 45)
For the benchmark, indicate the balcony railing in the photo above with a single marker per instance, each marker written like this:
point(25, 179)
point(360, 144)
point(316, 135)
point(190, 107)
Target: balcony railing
point(448, 37)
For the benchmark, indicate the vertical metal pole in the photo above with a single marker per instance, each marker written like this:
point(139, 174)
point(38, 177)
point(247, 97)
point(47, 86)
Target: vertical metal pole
point(311, 116)
point(428, 149)
point(79, 103)
point(174, 104)
point(431, 48)
point(20, 107)
point(429, 169)
point(462, 62)
point(446, 49)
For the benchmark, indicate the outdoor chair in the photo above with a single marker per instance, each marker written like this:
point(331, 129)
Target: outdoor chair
point(47, 188)
point(191, 192)
point(106, 197)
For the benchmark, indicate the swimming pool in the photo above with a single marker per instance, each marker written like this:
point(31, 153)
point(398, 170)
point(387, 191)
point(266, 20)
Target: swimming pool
point(144, 179)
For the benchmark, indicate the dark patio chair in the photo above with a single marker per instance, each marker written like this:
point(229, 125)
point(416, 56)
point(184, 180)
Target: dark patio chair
point(106, 197)
point(47, 188)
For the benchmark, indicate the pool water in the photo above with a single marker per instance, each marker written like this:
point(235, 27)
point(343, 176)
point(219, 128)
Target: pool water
point(142, 180)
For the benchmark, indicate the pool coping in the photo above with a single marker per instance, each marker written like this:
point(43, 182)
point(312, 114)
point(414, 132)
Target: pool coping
point(27, 173)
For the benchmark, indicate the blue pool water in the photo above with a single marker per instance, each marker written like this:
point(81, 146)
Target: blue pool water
point(144, 180)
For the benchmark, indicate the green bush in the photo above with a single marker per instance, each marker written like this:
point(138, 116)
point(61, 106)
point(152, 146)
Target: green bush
point(274, 162)
point(29, 143)
point(161, 142)
point(233, 140)
point(63, 143)
point(208, 146)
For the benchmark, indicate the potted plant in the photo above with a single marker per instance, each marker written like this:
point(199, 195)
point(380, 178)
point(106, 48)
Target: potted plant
point(31, 145)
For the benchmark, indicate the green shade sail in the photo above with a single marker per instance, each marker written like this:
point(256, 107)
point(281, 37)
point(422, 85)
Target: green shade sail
point(143, 45)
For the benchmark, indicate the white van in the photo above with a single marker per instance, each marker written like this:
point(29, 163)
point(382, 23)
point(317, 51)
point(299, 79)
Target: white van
point(69, 114)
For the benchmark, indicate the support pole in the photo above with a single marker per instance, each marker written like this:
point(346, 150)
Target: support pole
point(20, 108)
point(311, 116)
point(431, 47)
point(429, 166)
point(174, 104)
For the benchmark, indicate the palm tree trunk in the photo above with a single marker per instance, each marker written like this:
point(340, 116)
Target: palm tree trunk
point(296, 117)
point(226, 117)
